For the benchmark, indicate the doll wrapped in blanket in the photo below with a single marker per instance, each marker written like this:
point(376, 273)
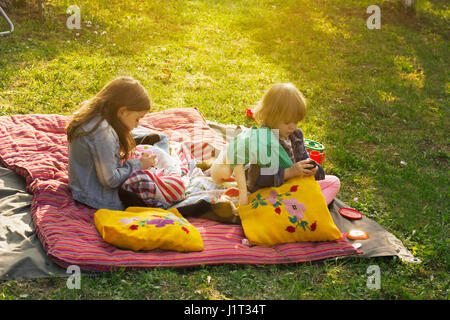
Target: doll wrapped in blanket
point(163, 184)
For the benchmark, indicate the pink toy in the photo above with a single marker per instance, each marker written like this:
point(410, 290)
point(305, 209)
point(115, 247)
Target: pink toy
point(144, 149)
point(140, 150)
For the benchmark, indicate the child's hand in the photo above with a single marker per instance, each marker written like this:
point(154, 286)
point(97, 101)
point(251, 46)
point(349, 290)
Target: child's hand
point(304, 168)
point(148, 161)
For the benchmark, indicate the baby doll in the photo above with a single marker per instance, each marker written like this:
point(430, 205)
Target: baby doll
point(163, 161)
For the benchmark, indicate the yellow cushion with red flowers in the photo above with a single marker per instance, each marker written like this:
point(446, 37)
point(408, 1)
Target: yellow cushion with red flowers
point(293, 212)
point(142, 228)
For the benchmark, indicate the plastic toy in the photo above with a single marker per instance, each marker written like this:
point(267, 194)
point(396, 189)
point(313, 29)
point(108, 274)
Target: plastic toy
point(357, 235)
point(350, 213)
point(315, 150)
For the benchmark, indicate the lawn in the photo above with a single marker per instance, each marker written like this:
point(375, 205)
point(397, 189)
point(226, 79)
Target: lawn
point(378, 101)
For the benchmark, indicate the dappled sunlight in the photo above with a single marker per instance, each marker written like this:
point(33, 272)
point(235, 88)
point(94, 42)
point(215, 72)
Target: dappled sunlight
point(334, 273)
point(437, 11)
point(408, 70)
point(322, 23)
point(198, 81)
point(130, 16)
point(386, 97)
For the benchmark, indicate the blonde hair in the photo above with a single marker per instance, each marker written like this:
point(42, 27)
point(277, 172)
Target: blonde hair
point(120, 92)
point(282, 102)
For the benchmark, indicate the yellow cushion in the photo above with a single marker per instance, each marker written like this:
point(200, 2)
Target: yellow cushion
point(139, 228)
point(293, 212)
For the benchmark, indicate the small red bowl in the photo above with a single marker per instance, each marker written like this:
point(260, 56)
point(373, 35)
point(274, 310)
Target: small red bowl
point(350, 213)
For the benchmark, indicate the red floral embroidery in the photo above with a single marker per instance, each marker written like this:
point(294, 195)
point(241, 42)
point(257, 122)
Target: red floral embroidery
point(185, 229)
point(278, 210)
point(293, 188)
point(290, 229)
point(133, 227)
point(313, 226)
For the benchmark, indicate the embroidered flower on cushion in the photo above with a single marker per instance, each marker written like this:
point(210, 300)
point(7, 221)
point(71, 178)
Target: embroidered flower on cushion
point(133, 227)
point(185, 229)
point(295, 211)
point(273, 198)
point(290, 229)
point(304, 225)
point(300, 223)
point(258, 201)
point(178, 220)
point(294, 208)
point(142, 223)
point(128, 220)
point(159, 223)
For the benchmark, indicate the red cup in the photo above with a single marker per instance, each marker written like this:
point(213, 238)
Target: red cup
point(317, 156)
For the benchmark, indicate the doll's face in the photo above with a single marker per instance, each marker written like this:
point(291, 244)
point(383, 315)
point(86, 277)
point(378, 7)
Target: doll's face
point(286, 128)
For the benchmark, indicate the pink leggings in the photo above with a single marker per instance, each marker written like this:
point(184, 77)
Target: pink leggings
point(330, 187)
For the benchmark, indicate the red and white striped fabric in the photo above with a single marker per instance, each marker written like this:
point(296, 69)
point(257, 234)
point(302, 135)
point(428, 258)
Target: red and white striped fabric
point(188, 128)
point(170, 187)
point(153, 187)
point(35, 146)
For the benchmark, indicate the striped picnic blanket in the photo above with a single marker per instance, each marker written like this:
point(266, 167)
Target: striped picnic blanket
point(35, 146)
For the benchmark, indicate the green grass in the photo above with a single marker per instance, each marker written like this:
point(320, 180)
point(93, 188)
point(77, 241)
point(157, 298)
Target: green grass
point(377, 99)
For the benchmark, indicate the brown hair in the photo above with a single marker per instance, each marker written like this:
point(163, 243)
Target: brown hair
point(282, 102)
point(120, 92)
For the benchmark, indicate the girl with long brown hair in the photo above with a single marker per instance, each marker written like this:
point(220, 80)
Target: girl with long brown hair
point(100, 142)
